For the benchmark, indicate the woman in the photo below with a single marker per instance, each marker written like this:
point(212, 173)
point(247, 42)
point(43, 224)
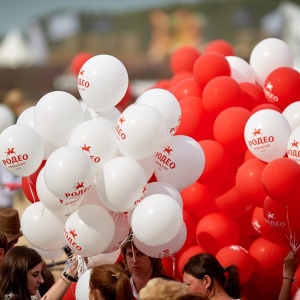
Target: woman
point(109, 282)
point(163, 289)
point(20, 273)
point(205, 276)
point(140, 266)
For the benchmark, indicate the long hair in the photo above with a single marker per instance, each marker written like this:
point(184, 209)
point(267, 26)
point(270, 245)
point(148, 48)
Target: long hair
point(13, 270)
point(203, 264)
point(111, 281)
point(157, 265)
point(3, 242)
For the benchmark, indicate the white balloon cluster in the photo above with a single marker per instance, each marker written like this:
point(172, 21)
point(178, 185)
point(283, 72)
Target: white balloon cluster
point(94, 186)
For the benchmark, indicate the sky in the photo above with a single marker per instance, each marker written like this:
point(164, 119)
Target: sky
point(16, 14)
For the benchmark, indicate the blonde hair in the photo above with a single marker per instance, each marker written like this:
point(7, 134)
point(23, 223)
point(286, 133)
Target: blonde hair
point(163, 289)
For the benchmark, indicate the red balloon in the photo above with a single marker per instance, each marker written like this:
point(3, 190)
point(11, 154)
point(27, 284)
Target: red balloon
point(177, 77)
point(255, 91)
point(233, 203)
point(268, 257)
point(265, 106)
point(209, 66)
point(162, 84)
point(248, 181)
point(281, 86)
point(184, 257)
point(239, 257)
point(170, 266)
point(280, 179)
point(29, 190)
point(192, 103)
point(198, 200)
point(229, 127)
point(79, 60)
point(220, 46)
point(264, 229)
point(183, 59)
point(220, 93)
point(191, 229)
point(216, 230)
point(282, 217)
point(70, 294)
point(33, 176)
point(185, 88)
point(190, 124)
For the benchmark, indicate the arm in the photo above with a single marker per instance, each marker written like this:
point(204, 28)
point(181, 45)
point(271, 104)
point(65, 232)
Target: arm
point(289, 270)
point(59, 289)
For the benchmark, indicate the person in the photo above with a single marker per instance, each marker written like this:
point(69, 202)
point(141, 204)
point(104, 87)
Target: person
point(20, 273)
point(10, 225)
point(3, 245)
point(205, 276)
point(109, 282)
point(190, 297)
point(9, 184)
point(290, 266)
point(140, 267)
point(162, 289)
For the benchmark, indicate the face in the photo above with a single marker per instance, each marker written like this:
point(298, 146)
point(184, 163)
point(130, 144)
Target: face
point(195, 285)
point(138, 263)
point(34, 279)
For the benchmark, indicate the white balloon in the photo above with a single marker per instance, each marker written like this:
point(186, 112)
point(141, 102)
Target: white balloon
point(179, 161)
point(140, 131)
point(292, 114)
point(166, 250)
point(56, 115)
point(159, 187)
point(27, 117)
point(148, 165)
point(68, 173)
point(42, 228)
point(89, 230)
point(102, 82)
point(241, 71)
point(104, 258)
point(7, 117)
point(167, 104)
point(268, 55)
point(292, 145)
point(97, 139)
point(53, 203)
point(156, 220)
point(22, 149)
point(121, 184)
point(266, 134)
point(111, 114)
point(83, 286)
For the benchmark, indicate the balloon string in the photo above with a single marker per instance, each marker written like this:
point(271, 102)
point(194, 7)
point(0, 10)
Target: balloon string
point(173, 264)
point(292, 238)
point(31, 191)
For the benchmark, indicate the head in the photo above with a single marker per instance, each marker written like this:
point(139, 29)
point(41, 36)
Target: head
point(109, 282)
point(3, 245)
point(190, 297)
point(20, 272)
point(204, 275)
point(139, 264)
point(10, 225)
point(163, 289)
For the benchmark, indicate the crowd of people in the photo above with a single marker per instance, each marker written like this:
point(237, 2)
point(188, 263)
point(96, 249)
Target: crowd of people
point(23, 274)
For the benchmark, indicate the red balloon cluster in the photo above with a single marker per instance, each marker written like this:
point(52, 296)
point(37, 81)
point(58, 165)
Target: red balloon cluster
point(244, 210)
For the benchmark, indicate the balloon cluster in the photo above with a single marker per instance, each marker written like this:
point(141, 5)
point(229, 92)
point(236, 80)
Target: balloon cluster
point(206, 160)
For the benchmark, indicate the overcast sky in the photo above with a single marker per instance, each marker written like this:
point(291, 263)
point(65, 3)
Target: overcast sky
point(19, 13)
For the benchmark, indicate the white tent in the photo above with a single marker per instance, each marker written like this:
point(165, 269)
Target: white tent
point(14, 51)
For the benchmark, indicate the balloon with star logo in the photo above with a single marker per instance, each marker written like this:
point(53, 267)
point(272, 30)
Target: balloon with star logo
point(266, 134)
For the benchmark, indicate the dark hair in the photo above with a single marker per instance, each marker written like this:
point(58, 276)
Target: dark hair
point(3, 242)
point(190, 297)
point(13, 270)
point(157, 265)
point(203, 264)
point(111, 281)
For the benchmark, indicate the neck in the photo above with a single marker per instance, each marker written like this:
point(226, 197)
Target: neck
point(140, 282)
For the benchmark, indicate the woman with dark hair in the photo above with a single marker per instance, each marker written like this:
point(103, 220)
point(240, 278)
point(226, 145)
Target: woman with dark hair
point(205, 276)
point(20, 273)
point(141, 267)
point(109, 282)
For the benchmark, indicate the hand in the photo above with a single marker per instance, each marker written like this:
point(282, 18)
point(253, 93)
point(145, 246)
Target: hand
point(290, 265)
